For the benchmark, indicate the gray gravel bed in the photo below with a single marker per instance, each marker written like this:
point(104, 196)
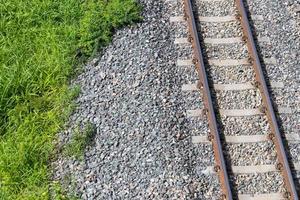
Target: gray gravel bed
point(192, 100)
point(296, 174)
point(175, 8)
point(188, 74)
point(285, 98)
point(257, 7)
point(206, 188)
point(181, 29)
point(284, 32)
point(221, 30)
point(265, 50)
point(205, 185)
point(294, 152)
point(231, 74)
point(270, 182)
point(293, 8)
point(262, 153)
point(206, 159)
point(290, 122)
point(252, 125)
point(217, 8)
point(132, 94)
point(225, 29)
point(245, 99)
point(259, 29)
point(262, 31)
point(226, 51)
point(197, 126)
point(184, 51)
point(275, 73)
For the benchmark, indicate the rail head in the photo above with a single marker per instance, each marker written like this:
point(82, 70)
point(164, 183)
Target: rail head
point(198, 60)
point(291, 192)
point(214, 136)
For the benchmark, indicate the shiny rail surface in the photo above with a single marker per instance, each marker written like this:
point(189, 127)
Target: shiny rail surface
point(214, 136)
point(275, 135)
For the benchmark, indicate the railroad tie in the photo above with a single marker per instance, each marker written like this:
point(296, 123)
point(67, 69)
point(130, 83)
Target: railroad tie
point(232, 87)
point(249, 169)
point(230, 40)
point(215, 19)
point(234, 139)
point(224, 62)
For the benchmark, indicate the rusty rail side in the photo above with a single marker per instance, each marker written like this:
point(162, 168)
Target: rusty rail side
point(275, 135)
point(214, 136)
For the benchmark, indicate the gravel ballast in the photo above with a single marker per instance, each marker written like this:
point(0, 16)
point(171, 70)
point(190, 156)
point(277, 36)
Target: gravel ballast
point(132, 93)
point(243, 154)
point(282, 28)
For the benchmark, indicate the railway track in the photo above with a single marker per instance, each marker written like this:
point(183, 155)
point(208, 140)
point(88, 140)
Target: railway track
point(217, 109)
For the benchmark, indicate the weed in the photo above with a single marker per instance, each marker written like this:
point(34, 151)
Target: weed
point(80, 140)
point(65, 191)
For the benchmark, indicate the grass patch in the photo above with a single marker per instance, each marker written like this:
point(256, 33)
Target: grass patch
point(65, 190)
point(79, 141)
point(42, 43)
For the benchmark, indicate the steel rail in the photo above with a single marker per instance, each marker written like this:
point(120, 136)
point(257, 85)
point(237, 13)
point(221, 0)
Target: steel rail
point(275, 135)
point(214, 136)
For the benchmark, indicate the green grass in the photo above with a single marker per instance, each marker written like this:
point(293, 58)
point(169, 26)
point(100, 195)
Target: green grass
point(42, 44)
point(79, 141)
